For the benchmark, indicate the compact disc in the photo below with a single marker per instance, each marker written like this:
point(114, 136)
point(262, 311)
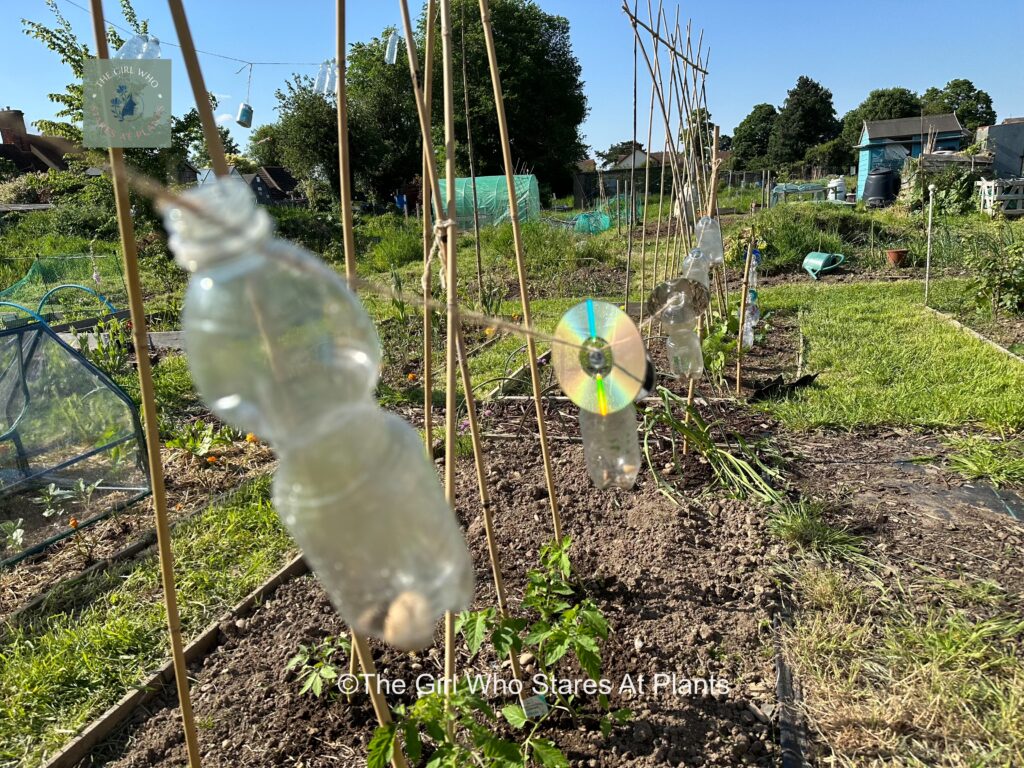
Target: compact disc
point(599, 357)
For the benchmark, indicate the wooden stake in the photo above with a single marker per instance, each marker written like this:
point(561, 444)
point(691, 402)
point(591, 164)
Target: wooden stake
point(647, 173)
point(472, 167)
point(743, 314)
point(150, 419)
point(517, 237)
point(451, 357)
point(632, 184)
point(428, 241)
point(618, 208)
point(348, 235)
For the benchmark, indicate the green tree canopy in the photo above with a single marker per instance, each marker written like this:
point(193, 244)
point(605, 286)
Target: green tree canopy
point(972, 106)
point(807, 119)
point(265, 145)
point(881, 104)
point(750, 139)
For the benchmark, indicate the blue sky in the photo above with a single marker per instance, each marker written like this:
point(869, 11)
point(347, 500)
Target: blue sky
point(758, 49)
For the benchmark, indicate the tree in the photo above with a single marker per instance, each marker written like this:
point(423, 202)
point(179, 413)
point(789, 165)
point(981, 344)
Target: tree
point(698, 134)
point(880, 104)
point(806, 119)
point(750, 139)
point(617, 151)
point(264, 145)
point(832, 156)
point(973, 107)
point(724, 142)
point(542, 83)
point(307, 132)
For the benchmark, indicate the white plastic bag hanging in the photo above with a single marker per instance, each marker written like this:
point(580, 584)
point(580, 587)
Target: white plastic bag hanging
point(279, 346)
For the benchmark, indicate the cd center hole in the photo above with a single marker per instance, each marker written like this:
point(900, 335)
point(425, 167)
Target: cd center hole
point(596, 357)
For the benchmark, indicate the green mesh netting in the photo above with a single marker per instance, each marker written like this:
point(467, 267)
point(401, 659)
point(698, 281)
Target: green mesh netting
point(592, 223)
point(67, 288)
point(492, 200)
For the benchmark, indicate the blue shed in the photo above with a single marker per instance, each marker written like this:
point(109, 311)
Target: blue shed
point(888, 143)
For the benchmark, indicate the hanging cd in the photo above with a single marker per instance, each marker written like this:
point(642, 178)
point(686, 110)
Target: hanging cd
point(601, 362)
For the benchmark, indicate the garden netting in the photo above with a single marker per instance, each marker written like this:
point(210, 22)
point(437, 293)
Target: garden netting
point(492, 200)
point(63, 289)
point(71, 444)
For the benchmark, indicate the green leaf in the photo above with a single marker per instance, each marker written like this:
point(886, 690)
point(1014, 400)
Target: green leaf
point(623, 715)
point(474, 629)
point(515, 715)
point(505, 638)
point(606, 727)
point(595, 620)
point(558, 648)
point(413, 745)
point(382, 747)
point(494, 747)
point(548, 754)
point(588, 657)
point(538, 633)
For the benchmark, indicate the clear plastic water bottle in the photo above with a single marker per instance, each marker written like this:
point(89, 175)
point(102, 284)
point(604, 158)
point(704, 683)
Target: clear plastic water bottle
point(280, 347)
point(709, 240)
point(685, 356)
point(611, 447)
point(139, 47)
point(327, 78)
point(695, 280)
point(751, 318)
point(391, 54)
point(755, 262)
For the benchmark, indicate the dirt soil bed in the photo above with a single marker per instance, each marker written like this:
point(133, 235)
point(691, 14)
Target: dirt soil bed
point(191, 483)
point(686, 589)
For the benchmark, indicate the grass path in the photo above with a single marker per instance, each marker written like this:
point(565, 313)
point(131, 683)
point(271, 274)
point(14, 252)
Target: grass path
point(62, 666)
point(884, 359)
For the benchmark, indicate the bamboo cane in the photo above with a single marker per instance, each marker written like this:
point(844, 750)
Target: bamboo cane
point(632, 184)
point(472, 165)
point(517, 236)
point(647, 175)
point(428, 242)
point(147, 393)
point(618, 210)
point(451, 355)
point(348, 236)
point(743, 314)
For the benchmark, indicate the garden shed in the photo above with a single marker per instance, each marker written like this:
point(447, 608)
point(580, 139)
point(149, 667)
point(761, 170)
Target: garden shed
point(1006, 143)
point(888, 143)
point(492, 199)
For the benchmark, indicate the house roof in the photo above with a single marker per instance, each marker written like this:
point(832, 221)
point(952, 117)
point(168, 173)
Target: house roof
point(907, 127)
point(278, 178)
point(587, 165)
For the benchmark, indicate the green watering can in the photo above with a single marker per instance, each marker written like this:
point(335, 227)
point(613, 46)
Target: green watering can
point(817, 262)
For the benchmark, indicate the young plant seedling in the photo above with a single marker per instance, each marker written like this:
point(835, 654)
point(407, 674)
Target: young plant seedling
point(315, 665)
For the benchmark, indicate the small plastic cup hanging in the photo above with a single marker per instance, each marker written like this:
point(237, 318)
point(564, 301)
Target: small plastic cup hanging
point(279, 346)
point(602, 365)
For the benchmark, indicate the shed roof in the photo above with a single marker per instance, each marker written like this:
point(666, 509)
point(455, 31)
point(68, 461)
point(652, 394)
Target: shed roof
point(906, 127)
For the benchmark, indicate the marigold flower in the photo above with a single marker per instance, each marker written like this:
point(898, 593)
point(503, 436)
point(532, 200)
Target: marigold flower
point(251, 438)
point(489, 331)
point(211, 459)
point(411, 377)
point(73, 522)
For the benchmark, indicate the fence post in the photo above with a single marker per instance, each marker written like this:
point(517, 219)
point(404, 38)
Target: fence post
point(928, 256)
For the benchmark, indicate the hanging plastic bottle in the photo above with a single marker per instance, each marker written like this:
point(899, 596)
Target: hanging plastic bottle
point(709, 240)
point(611, 447)
point(695, 280)
point(139, 47)
point(244, 117)
point(751, 318)
point(391, 54)
point(755, 262)
point(327, 78)
point(280, 347)
point(682, 346)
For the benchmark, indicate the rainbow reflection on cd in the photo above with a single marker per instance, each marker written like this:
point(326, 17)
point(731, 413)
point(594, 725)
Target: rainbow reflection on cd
point(601, 361)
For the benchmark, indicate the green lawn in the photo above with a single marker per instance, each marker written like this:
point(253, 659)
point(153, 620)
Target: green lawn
point(63, 666)
point(884, 359)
